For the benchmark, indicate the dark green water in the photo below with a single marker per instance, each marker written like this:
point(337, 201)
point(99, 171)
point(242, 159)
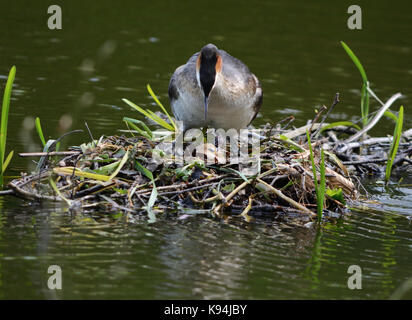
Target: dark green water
point(106, 52)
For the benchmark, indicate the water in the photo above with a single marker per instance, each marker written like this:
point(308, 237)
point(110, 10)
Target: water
point(105, 53)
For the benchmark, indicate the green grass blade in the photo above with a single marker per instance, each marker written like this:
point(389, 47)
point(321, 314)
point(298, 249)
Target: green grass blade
point(149, 114)
point(54, 186)
point(146, 132)
point(40, 131)
point(6, 163)
point(137, 129)
point(153, 195)
point(107, 169)
point(160, 121)
point(312, 159)
point(46, 148)
point(137, 108)
point(319, 188)
point(322, 188)
point(390, 115)
point(394, 145)
point(5, 116)
point(355, 60)
point(150, 204)
point(160, 105)
point(365, 104)
point(145, 127)
point(121, 164)
point(68, 171)
point(143, 170)
point(365, 85)
point(336, 194)
point(291, 144)
point(362, 106)
point(337, 161)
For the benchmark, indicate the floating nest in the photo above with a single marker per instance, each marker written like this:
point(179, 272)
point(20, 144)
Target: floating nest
point(119, 173)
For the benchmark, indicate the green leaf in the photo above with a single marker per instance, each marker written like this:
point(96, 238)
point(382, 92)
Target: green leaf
point(391, 115)
point(160, 121)
point(322, 184)
point(146, 132)
point(149, 114)
point(161, 105)
point(121, 164)
point(319, 188)
point(107, 169)
point(47, 148)
point(291, 144)
point(184, 173)
point(153, 195)
point(337, 161)
point(79, 173)
point(229, 187)
point(355, 60)
point(121, 191)
point(6, 163)
point(290, 183)
point(365, 85)
point(143, 170)
point(336, 194)
point(54, 186)
point(394, 145)
point(365, 104)
point(240, 174)
point(40, 131)
point(312, 159)
point(5, 118)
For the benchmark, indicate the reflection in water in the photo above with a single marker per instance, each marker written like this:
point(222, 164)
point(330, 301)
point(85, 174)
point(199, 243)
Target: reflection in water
point(314, 263)
point(124, 257)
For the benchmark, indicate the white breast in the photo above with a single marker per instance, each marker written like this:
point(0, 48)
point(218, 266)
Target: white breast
point(227, 107)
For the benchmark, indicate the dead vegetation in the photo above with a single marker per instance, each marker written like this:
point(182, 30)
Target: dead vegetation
point(120, 173)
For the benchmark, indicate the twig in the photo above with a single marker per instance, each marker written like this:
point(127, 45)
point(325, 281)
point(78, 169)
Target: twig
point(279, 193)
point(364, 161)
point(334, 103)
point(317, 117)
point(290, 119)
point(245, 212)
point(184, 185)
point(230, 196)
point(343, 147)
point(114, 204)
point(90, 133)
point(375, 119)
point(53, 153)
point(182, 191)
point(42, 160)
point(6, 192)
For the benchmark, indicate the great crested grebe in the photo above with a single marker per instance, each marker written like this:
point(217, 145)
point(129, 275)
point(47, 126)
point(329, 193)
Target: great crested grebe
point(214, 89)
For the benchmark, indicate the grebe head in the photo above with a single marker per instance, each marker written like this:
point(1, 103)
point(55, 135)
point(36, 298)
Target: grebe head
point(208, 65)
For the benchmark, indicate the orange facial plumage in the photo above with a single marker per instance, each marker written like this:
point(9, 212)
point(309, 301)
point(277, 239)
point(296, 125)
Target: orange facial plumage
point(218, 64)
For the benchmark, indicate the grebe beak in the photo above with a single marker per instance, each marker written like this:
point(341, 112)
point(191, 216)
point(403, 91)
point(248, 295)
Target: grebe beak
point(206, 102)
point(208, 65)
